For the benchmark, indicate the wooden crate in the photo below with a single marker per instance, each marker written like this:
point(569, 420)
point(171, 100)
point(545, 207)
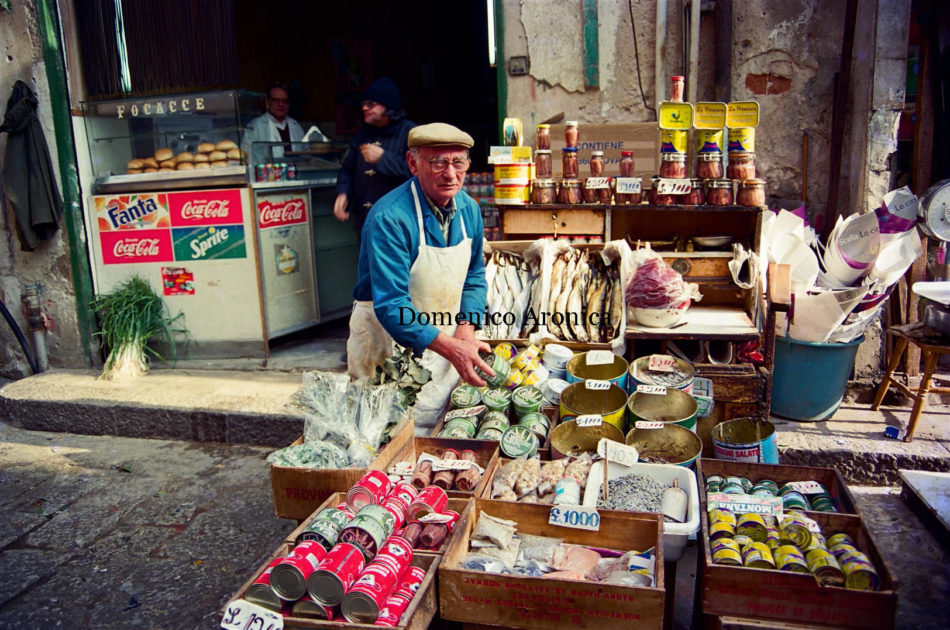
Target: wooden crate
point(455, 504)
point(828, 477)
point(418, 615)
point(299, 491)
point(523, 602)
point(486, 456)
point(796, 597)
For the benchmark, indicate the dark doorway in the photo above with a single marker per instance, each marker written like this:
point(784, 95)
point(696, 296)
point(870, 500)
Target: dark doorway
point(329, 51)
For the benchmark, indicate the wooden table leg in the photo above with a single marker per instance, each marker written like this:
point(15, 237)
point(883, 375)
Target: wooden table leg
point(930, 366)
point(888, 376)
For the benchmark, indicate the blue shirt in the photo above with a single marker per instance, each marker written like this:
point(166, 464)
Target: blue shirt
point(390, 247)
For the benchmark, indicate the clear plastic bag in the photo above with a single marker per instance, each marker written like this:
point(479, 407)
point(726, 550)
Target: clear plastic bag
point(481, 562)
point(538, 548)
point(497, 530)
point(310, 455)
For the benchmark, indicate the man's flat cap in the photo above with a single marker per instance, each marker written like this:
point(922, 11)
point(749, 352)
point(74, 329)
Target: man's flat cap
point(439, 135)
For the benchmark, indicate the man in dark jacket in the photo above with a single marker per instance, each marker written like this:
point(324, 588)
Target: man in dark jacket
point(376, 160)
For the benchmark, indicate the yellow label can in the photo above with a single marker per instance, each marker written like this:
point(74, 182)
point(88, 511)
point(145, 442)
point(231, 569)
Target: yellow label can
point(742, 139)
point(709, 141)
point(672, 141)
point(753, 526)
point(758, 556)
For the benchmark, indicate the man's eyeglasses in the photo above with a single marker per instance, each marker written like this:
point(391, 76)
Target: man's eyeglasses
point(370, 104)
point(437, 165)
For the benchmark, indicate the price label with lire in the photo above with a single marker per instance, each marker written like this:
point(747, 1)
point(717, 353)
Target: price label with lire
point(600, 357)
point(589, 420)
point(243, 615)
point(806, 487)
point(617, 452)
point(575, 516)
point(673, 186)
point(661, 363)
point(648, 424)
point(597, 183)
point(652, 389)
point(596, 385)
point(628, 185)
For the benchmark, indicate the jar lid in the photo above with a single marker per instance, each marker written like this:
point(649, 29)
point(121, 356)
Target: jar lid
point(597, 153)
point(735, 155)
point(696, 181)
point(626, 154)
point(569, 149)
point(677, 77)
point(570, 182)
point(719, 183)
point(570, 123)
point(673, 157)
point(715, 156)
point(751, 183)
point(544, 126)
point(543, 183)
point(542, 151)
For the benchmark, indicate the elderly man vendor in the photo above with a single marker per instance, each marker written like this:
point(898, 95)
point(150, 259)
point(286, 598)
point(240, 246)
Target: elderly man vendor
point(421, 277)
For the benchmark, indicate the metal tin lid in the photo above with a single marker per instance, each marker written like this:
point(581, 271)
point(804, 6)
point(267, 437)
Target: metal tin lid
point(569, 149)
point(719, 183)
point(310, 609)
point(518, 441)
point(626, 154)
point(544, 126)
point(359, 608)
point(597, 153)
point(287, 581)
point(263, 595)
point(751, 183)
point(570, 123)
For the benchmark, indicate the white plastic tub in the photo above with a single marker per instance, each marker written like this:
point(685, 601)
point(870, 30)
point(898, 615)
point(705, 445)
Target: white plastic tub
point(675, 535)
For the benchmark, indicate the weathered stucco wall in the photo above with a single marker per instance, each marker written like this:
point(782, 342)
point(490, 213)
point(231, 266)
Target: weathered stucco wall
point(48, 265)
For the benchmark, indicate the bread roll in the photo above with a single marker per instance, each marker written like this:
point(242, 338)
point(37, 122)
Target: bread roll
point(185, 166)
point(185, 156)
point(225, 145)
point(217, 156)
point(150, 170)
point(235, 154)
point(150, 162)
point(164, 154)
point(206, 147)
point(133, 171)
point(219, 164)
point(135, 164)
point(165, 169)
point(169, 164)
point(201, 157)
point(202, 165)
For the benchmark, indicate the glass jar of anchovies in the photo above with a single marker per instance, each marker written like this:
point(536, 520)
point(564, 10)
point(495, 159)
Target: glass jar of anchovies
point(543, 191)
point(570, 192)
point(719, 192)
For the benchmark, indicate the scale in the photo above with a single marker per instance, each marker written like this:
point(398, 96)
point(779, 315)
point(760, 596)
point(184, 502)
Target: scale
point(934, 211)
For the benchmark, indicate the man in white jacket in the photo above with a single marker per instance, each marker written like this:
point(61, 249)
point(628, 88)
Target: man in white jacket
point(275, 125)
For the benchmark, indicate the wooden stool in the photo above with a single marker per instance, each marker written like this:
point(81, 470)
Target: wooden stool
point(932, 344)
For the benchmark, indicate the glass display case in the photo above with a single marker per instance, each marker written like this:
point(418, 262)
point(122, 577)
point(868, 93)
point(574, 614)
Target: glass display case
point(151, 141)
point(315, 163)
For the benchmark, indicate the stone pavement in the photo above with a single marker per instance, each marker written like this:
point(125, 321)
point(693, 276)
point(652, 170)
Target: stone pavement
point(112, 532)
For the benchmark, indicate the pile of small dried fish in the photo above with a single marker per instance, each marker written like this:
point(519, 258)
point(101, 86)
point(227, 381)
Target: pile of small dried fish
point(509, 280)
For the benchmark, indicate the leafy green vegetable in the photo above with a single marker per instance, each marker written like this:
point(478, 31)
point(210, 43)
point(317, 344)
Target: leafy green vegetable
point(130, 317)
point(404, 372)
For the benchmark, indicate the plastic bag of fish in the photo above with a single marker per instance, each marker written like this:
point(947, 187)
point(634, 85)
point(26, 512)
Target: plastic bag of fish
point(555, 290)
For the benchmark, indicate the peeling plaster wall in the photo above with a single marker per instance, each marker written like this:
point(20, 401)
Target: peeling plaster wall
point(48, 265)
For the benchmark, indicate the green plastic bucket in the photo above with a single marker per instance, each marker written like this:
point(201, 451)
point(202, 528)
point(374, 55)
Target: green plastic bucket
point(809, 379)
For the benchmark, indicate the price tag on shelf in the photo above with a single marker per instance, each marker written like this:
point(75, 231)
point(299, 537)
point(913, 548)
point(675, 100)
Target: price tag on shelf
point(600, 357)
point(575, 516)
point(673, 186)
point(596, 385)
point(628, 185)
point(594, 183)
point(589, 420)
point(243, 615)
point(648, 424)
point(651, 389)
point(661, 363)
point(617, 452)
point(451, 464)
point(806, 487)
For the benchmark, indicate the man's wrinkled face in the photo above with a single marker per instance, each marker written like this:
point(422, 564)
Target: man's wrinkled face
point(278, 103)
point(441, 171)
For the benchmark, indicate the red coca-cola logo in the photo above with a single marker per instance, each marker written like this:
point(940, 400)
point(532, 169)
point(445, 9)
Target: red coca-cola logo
point(211, 209)
point(134, 248)
point(273, 214)
point(141, 246)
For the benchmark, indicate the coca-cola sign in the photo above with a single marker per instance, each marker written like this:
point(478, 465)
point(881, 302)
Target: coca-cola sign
point(136, 246)
point(281, 210)
point(210, 207)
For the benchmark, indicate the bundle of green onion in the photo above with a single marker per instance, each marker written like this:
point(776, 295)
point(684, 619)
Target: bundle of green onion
point(130, 317)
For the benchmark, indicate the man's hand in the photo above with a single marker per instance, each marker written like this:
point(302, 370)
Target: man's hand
point(339, 207)
point(463, 355)
point(371, 152)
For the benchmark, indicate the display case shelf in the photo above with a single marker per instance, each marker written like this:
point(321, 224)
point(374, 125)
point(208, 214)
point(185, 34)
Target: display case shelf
point(701, 322)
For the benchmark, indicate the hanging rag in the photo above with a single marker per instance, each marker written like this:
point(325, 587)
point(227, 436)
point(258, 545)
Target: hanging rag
point(28, 171)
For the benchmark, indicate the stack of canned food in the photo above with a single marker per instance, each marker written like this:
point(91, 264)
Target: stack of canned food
point(814, 498)
point(354, 562)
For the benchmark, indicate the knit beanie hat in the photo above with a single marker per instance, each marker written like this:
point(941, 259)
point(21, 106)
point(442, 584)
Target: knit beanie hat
point(384, 91)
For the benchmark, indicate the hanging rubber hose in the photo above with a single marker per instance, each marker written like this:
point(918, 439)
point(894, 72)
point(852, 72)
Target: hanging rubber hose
point(20, 338)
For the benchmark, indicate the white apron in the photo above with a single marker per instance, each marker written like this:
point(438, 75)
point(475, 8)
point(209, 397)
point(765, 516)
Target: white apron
point(436, 279)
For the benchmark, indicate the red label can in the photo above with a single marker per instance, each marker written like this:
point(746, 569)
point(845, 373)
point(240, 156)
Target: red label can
point(392, 610)
point(430, 499)
point(397, 552)
point(372, 488)
point(369, 592)
point(405, 491)
point(288, 578)
point(338, 570)
point(397, 507)
point(411, 582)
point(260, 592)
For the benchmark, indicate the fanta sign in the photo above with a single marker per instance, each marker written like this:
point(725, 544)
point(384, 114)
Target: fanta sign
point(119, 214)
point(140, 246)
point(273, 213)
point(213, 207)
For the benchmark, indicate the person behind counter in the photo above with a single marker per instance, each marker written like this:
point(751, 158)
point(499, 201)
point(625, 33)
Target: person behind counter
point(375, 162)
point(275, 125)
point(425, 259)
